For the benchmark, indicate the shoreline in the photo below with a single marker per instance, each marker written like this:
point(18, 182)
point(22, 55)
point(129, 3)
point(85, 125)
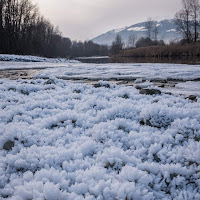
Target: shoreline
point(167, 86)
point(15, 74)
point(173, 51)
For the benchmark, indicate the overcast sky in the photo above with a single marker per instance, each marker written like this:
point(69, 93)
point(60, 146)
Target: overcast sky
point(86, 19)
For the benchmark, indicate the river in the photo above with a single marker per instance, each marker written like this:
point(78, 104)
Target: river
point(106, 59)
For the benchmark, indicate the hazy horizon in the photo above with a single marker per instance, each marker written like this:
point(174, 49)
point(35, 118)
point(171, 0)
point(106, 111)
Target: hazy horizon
point(86, 19)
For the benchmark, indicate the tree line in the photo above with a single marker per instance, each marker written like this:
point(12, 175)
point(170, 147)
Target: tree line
point(151, 39)
point(24, 31)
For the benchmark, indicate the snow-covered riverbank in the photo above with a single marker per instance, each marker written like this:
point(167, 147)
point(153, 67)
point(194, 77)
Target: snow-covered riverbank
point(75, 141)
point(66, 135)
point(169, 76)
point(76, 70)
point(26, 58)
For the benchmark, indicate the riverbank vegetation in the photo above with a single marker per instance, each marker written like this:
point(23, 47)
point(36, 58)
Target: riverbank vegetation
point(172, 50)
point(187, 23)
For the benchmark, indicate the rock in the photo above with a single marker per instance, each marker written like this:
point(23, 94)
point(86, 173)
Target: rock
point(49, 82)
point(156, 122)
point(192, 98)
point(74, 122)
point(98, 85)
point(8, 145)
point(150, 91)
point(24, 92)
point(142, 122)
point(106, 85)
point(138, 87)
point(156, 158)
point(77, 91)
point(145, 122)
point(148, 123)
point(169, 93)
point(162, 86)
point(172, 176)
point(125, 96)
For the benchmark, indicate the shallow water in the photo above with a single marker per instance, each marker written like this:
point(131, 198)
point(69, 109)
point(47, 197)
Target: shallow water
point(183, 60)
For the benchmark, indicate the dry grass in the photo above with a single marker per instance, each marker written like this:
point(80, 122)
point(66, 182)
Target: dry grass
point(174, 50)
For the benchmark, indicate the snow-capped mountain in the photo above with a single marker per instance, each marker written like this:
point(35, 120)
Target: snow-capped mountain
point(166, 31)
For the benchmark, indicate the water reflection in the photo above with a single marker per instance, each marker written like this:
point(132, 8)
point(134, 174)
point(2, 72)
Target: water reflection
point(183, 60)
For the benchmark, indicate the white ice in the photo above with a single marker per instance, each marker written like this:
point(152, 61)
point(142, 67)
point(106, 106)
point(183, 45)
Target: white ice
point(124, 71)
point(74, 141)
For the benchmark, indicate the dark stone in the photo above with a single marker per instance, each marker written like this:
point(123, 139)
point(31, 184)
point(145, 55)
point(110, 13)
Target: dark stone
point(98, 85)
point(106, 86)
point(24, 92)
point(156, 158)
point(77, 91)
point(142, 123)
point(49, 82)
point(13, 89)
point(148, 123)
point(197, 139)
point(192, 98)
point(172, 176)
point(74, 122)
point(8, 145)
point(138, 87)
point(145, 122)
point(159, 123)
point(150, 91)
point(162, 86)
point(169, 93)
point(125, 96)
point(122, 128)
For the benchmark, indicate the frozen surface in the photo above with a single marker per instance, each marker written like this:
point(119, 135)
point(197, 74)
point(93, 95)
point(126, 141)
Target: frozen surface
point(124, 71)
point(71, 69)
point(7, 65)
point(26, 58)
point(186, 88)
point(74, 141)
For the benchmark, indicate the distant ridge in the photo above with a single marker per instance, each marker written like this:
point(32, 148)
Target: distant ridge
point(167, 32)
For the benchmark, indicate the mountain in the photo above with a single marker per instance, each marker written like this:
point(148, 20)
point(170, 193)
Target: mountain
point(166, 28)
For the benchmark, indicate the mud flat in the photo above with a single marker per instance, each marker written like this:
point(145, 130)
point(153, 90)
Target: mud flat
point(16, 74)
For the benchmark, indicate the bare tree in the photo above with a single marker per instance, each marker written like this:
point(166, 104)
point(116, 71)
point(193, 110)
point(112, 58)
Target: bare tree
point(24, 31)
point(117, 45)
point(149, 27)
point(131, 41)
point(187, 20)
point(155, 32)
point(195, 14)
point(2, 7)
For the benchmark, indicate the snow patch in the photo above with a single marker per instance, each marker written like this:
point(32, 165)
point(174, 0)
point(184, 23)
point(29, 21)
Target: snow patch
point(141, 28)
point(171, 30)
